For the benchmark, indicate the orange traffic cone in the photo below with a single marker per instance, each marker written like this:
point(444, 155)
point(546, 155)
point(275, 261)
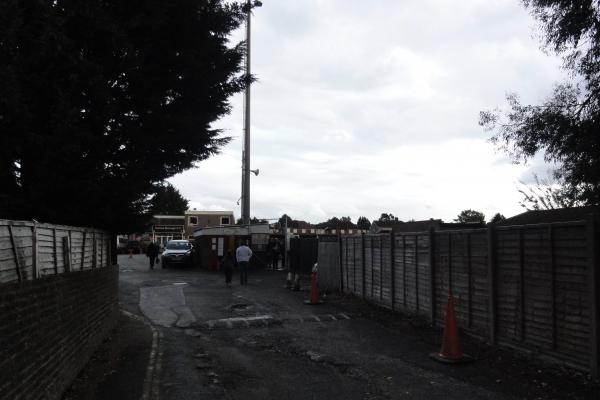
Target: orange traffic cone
point(314, 289)
point(451, 351)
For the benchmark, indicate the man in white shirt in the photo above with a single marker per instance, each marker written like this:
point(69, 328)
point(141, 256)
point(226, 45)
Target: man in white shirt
point(242, 256)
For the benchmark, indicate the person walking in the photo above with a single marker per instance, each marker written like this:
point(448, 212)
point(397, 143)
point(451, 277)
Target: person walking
point(228, 264)
point(152, 253)
point(275, 254)
point(243, 255)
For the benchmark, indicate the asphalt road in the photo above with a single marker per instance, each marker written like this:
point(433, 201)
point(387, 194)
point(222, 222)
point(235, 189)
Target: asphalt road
point(203, 340)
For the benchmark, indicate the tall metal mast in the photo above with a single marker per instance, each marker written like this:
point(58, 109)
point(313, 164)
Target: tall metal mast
point(246, 152)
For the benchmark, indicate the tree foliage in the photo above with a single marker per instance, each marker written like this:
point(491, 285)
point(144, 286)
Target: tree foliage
point(363, 223)
point(167, 201)
point(470, 216)
point(337, 223)
point(497, 218)
point(548, 193)
point(565, 127)
point(103, 100)
point(387, 217)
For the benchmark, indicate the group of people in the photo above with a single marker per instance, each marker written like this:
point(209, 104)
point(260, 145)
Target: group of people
point(243, 254)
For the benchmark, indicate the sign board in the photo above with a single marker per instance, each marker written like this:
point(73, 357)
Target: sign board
point(168, 228)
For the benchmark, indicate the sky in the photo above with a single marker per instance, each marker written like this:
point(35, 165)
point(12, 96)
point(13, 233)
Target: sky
point(366, 107)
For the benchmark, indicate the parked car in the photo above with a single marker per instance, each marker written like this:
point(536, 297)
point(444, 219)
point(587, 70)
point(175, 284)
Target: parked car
point(177, 252)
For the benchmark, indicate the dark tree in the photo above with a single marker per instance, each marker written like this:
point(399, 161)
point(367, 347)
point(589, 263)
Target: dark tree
point(566, 127)
point(101, 100)
point(337, 223)
point(387, 217)
point(167, 201)
point(363, 223)
point(497, 218)
point(470, 216)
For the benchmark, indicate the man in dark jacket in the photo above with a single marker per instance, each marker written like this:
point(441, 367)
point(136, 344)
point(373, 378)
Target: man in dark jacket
point(152, 253)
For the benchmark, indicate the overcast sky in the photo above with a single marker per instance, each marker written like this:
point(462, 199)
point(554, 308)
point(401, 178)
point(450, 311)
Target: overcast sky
point(364, 107)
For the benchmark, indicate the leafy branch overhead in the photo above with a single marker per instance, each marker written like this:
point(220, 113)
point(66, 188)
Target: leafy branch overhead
point(103, 100)
point(565, 128)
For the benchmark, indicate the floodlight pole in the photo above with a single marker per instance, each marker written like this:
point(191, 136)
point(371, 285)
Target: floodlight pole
point(246, 152)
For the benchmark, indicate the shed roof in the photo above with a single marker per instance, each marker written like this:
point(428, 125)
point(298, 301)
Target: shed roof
point(555, 215)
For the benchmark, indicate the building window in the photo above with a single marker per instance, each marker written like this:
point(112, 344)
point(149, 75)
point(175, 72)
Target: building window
point(193, 221)
point(225, 221)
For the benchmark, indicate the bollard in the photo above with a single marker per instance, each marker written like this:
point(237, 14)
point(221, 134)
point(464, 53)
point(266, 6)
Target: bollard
point(288, 282)
point(314, 288)
point(130, 253)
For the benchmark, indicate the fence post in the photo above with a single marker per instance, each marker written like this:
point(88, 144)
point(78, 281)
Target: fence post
point(94, 251)
point(341, 262)
point(392, 269)
point(552, 266)
point(469, 280)
point(592, 250)
point(83, 250)
point(381, 269)
point(433, 301)
point(372, 269)
point(404, 270)
point(521, 285)
point(491, 237)
point(417, 272)
point(353, 264)
point(54, 252)
point(449, 263)
point(66, 243)
point(15, 253)
point(34, 243)
point(362, 249)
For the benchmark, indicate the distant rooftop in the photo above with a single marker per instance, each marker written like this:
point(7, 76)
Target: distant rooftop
point(556, 215)
point(197, 212)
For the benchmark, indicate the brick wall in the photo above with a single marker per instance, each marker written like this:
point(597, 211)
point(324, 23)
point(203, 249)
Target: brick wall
point(49, 328)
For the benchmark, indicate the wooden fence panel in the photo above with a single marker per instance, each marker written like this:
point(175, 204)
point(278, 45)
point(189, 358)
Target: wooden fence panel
point(423, 278)
point(400, 272)
point(45, 241)
point(541, 286)
point(411, 273)
point(351, 265)
point(508, 285)
point(441, 276)
point(376, 275)
point(368, 267)
point(358, 265)
point(537, 289)
point(478, 318)
point(328, 255)
point(572, 295)
point(38, 250)
point(386, 271)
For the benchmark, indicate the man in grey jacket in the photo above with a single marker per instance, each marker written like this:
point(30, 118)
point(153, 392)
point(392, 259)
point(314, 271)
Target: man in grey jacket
point(242, 256)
